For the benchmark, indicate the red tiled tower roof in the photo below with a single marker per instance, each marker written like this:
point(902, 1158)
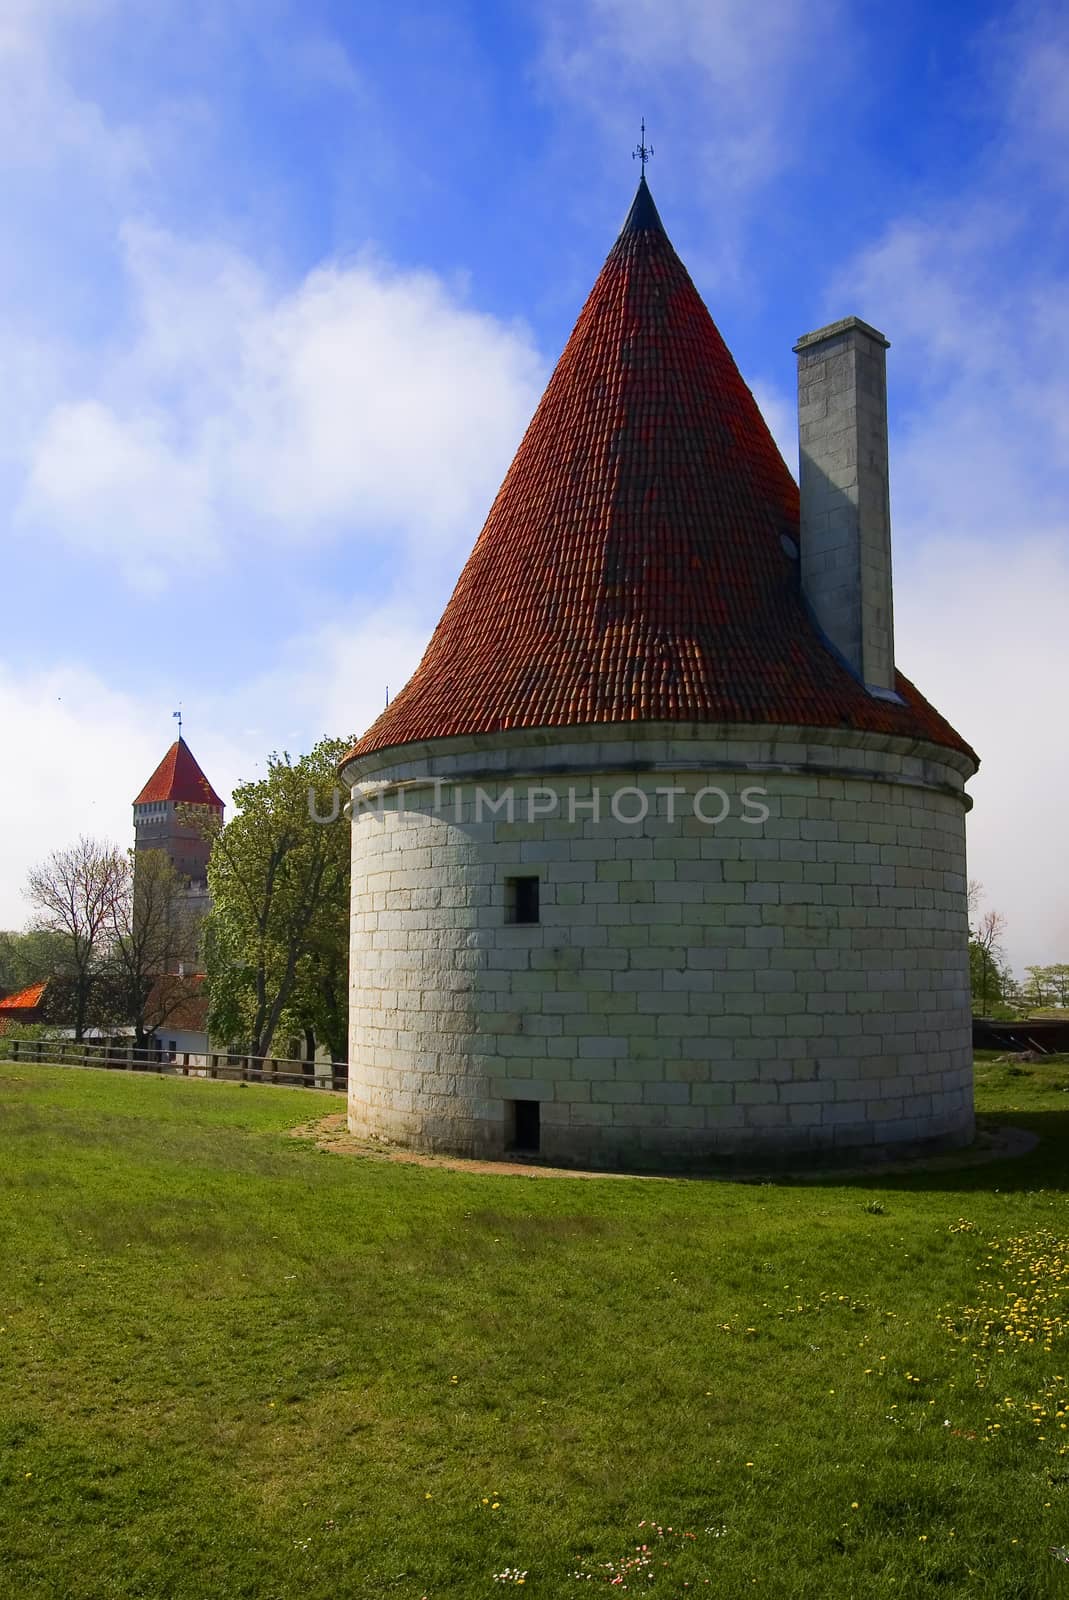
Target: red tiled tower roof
point(178, 777)
point(640, 561)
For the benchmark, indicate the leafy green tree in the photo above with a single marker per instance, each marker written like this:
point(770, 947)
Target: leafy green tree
point(1059, 981)
point(31, 957)
point(988, 979)
point(1047, 986)
point(279, 882)
point(320, 1006)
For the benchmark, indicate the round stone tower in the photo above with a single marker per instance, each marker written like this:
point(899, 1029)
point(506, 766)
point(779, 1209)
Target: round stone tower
point(657, 859)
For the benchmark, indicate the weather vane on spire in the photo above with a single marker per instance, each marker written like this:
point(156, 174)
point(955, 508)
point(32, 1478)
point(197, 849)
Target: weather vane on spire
point(642, 149)
point(178, 714)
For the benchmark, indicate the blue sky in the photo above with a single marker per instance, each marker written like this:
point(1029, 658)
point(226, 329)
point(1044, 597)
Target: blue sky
point(281, 284)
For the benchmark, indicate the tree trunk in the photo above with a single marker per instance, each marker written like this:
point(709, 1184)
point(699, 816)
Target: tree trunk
point(266, 1028)
point(81, 1007)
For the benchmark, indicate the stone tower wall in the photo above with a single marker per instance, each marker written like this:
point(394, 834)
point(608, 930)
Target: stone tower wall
point(158, 826)
point(691, 989)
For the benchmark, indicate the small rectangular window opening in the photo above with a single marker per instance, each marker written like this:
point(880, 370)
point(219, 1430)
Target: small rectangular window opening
point(526, 1126)
point(521, 899)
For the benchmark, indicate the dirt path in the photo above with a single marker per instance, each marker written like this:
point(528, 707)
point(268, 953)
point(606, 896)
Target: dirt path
point(992, 1143)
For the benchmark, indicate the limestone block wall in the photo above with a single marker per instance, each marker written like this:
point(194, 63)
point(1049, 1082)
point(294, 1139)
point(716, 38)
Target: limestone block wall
point(693, 988)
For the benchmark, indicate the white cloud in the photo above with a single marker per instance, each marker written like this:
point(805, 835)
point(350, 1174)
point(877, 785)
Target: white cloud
point(343, 672)
point(980, 487)
point(323, 63)
point(176, 398)
point(781, 414)
point(101, 483)
point(84, 750)
point(197, 407)
point(45, 124)
point(724, 83)
point(981, 630)
point(329, 680)
point(364, 400)
point(380, 397)
point(1031, 48)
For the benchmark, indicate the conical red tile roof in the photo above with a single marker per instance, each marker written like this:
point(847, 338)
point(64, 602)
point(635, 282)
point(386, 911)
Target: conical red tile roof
point(639, 563)
point(178, 777)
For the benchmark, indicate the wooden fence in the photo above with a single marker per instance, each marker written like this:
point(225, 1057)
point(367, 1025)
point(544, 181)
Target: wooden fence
point(121, 1056)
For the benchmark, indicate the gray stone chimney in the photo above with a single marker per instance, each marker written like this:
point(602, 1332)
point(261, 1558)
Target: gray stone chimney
point(846, 516)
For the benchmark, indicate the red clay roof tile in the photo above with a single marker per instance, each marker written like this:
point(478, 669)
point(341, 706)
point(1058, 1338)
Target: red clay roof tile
point(26, 999)
point(633, 566)
point(178, 777)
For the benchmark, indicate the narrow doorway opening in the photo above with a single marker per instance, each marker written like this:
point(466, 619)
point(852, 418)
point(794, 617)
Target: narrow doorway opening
point(526, 1127)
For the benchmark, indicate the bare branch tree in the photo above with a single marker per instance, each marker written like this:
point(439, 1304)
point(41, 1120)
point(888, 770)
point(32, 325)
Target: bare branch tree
point(987, 956)
point(74, 893)
point(151, 930)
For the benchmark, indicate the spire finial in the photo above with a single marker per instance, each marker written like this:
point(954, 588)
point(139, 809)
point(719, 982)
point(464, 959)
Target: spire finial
point(178, 714)
point(642, 149)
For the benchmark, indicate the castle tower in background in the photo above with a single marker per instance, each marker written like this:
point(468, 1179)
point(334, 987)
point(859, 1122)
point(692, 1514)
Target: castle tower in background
point(178, 781)
point(573, 930)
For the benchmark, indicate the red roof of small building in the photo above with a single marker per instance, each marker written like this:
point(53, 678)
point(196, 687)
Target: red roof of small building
point(178, 777)
point(26, 999)
point(640, 561)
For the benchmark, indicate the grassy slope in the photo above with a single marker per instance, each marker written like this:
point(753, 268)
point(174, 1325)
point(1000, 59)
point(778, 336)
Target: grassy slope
point(234, 1366)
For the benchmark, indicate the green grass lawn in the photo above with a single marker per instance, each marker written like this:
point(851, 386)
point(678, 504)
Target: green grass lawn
point(232, 1365)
